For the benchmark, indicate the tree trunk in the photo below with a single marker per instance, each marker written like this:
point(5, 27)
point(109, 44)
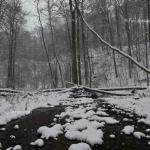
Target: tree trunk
point(127, 26)
point(74, 51)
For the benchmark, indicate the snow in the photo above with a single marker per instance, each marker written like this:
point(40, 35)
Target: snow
point(90, 135)
point(10, 148)
point(2, 129)
point(17, 147)
point(6, 117)
point(145, 121)
point(128, 129)
point(21, 105)
point(84, 124)
point(138, 135)
point(112, 136)
point(79, 146)
point(38, 142)
point(16, 127)
point(52, 132)
point(140, 106)
point(12, 137)
point(108, 120)
point(101, 113)
point(148, 130)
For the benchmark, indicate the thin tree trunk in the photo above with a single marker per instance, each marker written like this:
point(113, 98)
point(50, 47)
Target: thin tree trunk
point(53, 43)
point(78, 48)
point(127, 26)
point(44, 44)
point(112, 43)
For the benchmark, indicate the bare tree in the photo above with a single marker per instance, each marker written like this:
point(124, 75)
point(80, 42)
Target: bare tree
point(13, 20)
point(44, 42)
point(49, 7)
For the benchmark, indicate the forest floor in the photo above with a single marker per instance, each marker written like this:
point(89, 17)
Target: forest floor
point(119, 129)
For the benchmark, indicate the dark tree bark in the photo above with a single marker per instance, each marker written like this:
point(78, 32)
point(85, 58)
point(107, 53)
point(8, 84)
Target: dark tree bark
point(127, 26)
point(84, 46)
point(78, 48)
point(74, 49)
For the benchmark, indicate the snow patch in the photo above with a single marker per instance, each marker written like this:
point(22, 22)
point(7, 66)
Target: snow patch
point(38, 142)
point(79, 146)
point(7, 117)
point(90, 135)
point(52, 132)
point(128, 130)
point(138, 135)
point(17, 147)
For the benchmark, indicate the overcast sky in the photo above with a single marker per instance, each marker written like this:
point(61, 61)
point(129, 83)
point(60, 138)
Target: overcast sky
point(28, 6)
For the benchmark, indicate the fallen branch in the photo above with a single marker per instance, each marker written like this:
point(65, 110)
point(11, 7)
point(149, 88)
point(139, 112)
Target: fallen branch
point(109, 45)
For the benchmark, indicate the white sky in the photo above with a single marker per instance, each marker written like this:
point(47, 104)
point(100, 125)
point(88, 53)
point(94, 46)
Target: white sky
point(28, 6)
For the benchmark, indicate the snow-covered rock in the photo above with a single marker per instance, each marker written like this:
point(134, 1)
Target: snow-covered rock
point(12, 137)
point(112, 136)
point(79, 146)
point(9, 148)
point(90, 135)
point(101, 113)
point(148, 130)
point(84, 124)
point(16, 127)
point(2, 129)
point(128, 130)
point(108, 120)
point(145, 121)
point(138, 135)
point(38, 142)
point(17, 147)
point(52, 132)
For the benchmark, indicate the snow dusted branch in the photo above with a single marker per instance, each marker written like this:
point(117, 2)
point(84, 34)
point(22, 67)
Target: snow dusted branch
point(93, 90)
point(10, 91)
point(109, 45)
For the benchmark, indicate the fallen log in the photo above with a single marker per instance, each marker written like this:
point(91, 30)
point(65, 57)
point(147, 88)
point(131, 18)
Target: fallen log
point(52, 90)
point(75, 89)
point(123, 88)
point(106, 92)
point(10, 91)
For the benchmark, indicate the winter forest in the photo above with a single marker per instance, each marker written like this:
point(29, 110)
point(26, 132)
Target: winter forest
point(74, 74)
point(59, 49)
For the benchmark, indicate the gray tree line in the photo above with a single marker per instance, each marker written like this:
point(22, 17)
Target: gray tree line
point(62, 51)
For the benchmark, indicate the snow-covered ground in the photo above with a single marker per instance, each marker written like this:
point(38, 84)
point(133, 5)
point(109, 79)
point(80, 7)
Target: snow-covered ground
point(20, 105)
point(139, 104)
point(84, 119)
